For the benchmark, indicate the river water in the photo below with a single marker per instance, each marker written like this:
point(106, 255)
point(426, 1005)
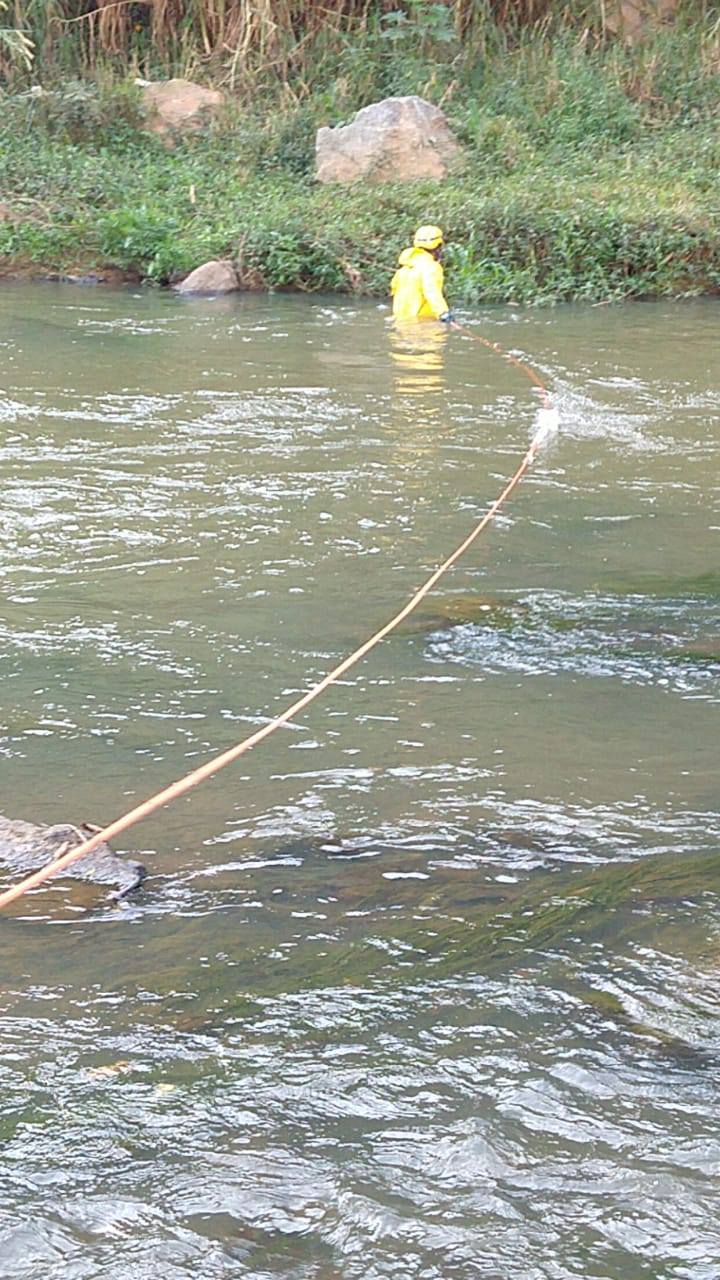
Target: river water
point(427, 986)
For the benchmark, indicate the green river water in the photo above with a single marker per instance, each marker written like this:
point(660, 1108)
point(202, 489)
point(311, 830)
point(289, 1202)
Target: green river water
point(428, 985)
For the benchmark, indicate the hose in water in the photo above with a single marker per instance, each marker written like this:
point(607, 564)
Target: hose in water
point(547, 426)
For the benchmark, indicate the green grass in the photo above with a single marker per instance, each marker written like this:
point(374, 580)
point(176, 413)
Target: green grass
point(591, 173)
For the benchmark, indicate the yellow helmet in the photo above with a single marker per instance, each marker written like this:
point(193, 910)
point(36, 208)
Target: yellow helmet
point(428, 238)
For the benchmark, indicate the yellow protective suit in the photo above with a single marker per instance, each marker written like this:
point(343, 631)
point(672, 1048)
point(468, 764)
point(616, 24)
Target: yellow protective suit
point(417, 287)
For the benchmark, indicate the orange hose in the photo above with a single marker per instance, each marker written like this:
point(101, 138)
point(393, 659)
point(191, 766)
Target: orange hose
point(179, 788)
point(530, 373)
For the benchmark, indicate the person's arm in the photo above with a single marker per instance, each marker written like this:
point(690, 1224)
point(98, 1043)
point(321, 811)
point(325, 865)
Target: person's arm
point(433, 278)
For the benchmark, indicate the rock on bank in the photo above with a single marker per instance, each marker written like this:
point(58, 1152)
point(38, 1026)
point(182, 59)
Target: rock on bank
point(218, 276)
point(396, 140)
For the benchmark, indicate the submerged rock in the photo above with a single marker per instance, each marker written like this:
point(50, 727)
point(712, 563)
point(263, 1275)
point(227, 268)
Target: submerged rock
point(442, 614)
point(396, 140)
point(582, 921)
point(25, 847)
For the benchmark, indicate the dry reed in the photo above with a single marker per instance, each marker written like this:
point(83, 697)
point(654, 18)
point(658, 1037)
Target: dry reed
point(245, 36)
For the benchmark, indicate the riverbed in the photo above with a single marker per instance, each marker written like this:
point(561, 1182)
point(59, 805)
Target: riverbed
point(359, 1022)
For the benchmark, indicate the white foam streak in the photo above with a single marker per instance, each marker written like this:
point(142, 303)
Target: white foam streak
point(548, 425)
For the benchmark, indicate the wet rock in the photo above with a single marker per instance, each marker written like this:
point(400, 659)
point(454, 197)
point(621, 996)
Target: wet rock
point(178, 106)
point(26, 846)
point(218, 276)
point(396, 140)
point(90, 279)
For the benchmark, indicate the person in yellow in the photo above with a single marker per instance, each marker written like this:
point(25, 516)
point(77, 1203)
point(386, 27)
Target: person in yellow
point(417, 286)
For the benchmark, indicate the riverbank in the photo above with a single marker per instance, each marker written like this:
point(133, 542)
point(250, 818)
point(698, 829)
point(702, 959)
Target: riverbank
point(583, 179)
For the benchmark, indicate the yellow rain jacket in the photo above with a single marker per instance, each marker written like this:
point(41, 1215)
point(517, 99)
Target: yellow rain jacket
point(417, 287)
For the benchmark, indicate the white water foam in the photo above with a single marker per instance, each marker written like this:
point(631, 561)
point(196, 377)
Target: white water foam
point(547, 427)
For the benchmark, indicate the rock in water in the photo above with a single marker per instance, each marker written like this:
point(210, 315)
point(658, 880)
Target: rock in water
point(25, 847)
point(218, 276)
point(396, 140)
point(178, 106)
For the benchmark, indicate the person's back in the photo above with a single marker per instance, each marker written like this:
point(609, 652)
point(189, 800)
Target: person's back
point(418, 284)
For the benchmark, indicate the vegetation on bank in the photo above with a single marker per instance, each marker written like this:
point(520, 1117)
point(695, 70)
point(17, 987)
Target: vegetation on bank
point(591, 165)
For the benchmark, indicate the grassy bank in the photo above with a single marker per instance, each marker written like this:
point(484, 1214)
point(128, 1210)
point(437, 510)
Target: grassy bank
point(591, 171)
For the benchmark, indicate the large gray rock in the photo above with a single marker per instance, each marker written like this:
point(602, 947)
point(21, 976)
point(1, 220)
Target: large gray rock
point(218, 276)
point(396, 140)
point(178, 106)
point(27, 846)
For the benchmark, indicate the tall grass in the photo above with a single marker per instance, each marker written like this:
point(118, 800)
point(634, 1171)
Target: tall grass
point(295, 42)
point(230, 36)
